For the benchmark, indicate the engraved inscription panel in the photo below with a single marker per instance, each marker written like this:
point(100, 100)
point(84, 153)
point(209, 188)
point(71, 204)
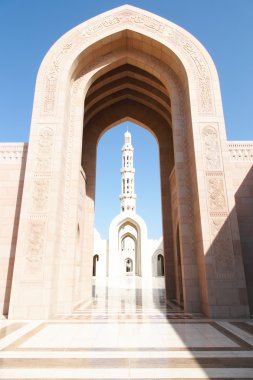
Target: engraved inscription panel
point(211, 148)
point(51, 79)
point(170, 35)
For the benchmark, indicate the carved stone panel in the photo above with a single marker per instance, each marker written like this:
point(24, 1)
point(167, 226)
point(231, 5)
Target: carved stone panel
point(40, 195)
point(170, 34)
point(211, 148)
point(51, 79)
point(216, 194)
point(44, 154)
point(98, 27)
point(34, 250)
point(202, 75)
point(222, 248)
point(39, 201)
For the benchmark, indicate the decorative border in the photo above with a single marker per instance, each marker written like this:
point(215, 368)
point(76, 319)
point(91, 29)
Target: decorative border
point(221, 239)
point(13, 153)
point(38, 215)
point(241, 151)
point(169, 33)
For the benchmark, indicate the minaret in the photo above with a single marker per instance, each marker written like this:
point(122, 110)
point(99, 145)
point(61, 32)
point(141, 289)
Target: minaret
point(127, 196)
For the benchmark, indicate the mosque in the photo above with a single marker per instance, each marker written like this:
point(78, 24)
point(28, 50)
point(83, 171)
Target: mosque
point(128, 251)
point(78, 307)
point(126, 64)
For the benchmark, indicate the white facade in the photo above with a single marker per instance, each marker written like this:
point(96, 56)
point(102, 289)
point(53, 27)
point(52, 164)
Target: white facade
point(128, 252)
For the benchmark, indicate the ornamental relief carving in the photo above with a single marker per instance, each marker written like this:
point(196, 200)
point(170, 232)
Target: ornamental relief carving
point(216, 194)
point(67, 188)
point(222, 248)
point(51, 79)
point(36, 226)
point(205, 97)
point(43, 159)
point(211, 148)
point(97, 27)
point(151, 24)
point(34, 251)
point(169, 33)
point(127, 17)
point(40, 195)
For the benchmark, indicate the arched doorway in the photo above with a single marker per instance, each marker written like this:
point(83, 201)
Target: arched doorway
point(127, 239)
point(94, 267)
point(127, 65)
point(128, 251)
point(160, 265)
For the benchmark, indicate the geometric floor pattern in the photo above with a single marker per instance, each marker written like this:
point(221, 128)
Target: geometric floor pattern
point(127, 332)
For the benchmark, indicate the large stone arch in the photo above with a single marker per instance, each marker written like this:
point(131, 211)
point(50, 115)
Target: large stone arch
point(54, 190)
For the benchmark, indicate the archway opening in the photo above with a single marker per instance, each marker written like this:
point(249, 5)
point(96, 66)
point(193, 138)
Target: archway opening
point(94, 267)
point(127, 81)
point(160, 265)
point(128, 92)
point(129, 252)
point(138, 234)
point(127, 232)
point(129, 241)
point(134, 87)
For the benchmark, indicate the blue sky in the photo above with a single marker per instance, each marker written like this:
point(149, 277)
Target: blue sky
point(147, 178)
point(29, 27)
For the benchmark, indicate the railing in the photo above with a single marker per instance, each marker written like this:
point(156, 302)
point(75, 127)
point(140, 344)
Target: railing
point(241, 150)
point(12, 152)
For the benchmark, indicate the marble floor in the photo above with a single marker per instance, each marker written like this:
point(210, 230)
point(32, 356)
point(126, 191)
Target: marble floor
point(127, 332)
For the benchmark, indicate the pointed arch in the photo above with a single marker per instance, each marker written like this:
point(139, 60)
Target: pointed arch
point(64, 134)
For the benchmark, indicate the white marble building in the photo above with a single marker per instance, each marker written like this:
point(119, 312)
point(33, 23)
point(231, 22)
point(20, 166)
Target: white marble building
point(128, 252)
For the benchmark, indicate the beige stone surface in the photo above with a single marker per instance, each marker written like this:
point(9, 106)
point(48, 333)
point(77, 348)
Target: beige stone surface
point(241, 156)
point(128, 64)
point(12, 171)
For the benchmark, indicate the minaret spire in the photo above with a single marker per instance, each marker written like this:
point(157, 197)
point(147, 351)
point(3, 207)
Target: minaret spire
point(127, 196)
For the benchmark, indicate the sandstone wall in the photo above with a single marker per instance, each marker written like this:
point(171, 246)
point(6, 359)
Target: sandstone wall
point(12, 170)
point(241, 154)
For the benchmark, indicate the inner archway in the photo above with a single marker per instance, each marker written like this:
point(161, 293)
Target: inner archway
point(122, 94)
point(128, 252)
point(94, 267)
point(160, 265)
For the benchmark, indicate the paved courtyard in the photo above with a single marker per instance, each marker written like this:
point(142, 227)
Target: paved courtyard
point(127, 333)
